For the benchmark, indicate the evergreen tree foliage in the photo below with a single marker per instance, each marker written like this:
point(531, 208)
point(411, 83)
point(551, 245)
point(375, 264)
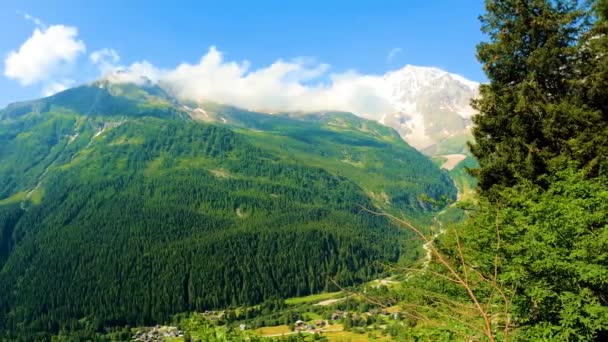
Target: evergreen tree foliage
point(530, 262)
point(539, 232)
point(552, 246)
point(591, 145)
point(527, 110)
point(124, 218)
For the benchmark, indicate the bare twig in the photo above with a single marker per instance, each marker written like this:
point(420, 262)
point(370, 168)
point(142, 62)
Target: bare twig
point(462, 278)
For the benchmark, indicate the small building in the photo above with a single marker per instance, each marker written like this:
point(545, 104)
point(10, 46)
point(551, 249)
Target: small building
point(337, 315)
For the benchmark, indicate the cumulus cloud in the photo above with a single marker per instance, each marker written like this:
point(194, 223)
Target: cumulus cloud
point(293, 85)
point(283, 85)
point(138, 73)
point(43, 54)
point(104, 57)
point(300, 84)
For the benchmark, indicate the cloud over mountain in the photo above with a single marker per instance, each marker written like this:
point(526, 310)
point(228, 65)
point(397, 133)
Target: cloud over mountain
point(299, 84)
point(415, 101)
point(425, 105)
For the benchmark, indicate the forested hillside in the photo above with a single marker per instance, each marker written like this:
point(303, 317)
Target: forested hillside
point(345, 144)
point(127, 218)
point(530, 262)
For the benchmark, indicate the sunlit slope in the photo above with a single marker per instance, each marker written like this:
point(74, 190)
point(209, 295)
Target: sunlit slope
point(126, 218)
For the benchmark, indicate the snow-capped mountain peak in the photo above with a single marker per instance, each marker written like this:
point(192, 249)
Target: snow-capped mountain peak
point(411, 80)
point(430, 104)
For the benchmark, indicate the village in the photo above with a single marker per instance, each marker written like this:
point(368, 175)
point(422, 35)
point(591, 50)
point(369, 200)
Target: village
point(332, 315)
point(157, 333)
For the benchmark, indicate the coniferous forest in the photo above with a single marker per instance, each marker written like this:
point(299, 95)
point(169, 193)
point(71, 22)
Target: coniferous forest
point(124, 219)
point(122, 207)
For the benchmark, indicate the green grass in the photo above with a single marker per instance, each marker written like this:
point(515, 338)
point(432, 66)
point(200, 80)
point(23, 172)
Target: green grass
point(464, 181)
point(16, 198)
point(274, 330)
point(311, 316)
point(312, 298)
point(36, 196)
point(348, 336)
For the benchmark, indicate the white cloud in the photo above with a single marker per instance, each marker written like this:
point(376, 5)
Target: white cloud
point(55, 87)
point(107, 62)
point(300, 84)
point(284, 85)
point(44, 54)
point(392, 53)
point(104, 57)
point(138, 73)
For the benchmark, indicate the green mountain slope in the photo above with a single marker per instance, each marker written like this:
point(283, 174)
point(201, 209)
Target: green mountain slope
point(112, 216)
point(102, 98)
point(347, 145)
point(465, 183)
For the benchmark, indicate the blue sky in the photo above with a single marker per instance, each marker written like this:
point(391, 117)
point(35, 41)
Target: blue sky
point(340, 35)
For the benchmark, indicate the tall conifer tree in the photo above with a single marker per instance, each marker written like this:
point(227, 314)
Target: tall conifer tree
point(530, 61)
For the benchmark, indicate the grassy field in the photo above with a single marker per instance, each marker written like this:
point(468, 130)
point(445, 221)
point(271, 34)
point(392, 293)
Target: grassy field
point(312, 298)
point(347, 336)
point(275, 330)
point(311, 316)
point(36, 196)
point(16, 198)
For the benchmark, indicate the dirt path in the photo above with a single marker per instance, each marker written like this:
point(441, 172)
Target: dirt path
point(427, 245)
point(330, 301)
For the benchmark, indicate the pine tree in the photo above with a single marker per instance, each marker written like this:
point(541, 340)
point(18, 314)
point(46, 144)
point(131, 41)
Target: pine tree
point(541, 140)
point(530, 61)
point(591, 145)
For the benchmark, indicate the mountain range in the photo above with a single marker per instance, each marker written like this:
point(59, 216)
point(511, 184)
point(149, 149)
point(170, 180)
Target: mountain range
point(432, 108)
point(429, 108)
point(121, 204)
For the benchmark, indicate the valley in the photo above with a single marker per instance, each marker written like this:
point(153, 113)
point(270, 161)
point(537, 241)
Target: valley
point(262, 171)
point(118, 194)
point(363, 312)
point(349, 317)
